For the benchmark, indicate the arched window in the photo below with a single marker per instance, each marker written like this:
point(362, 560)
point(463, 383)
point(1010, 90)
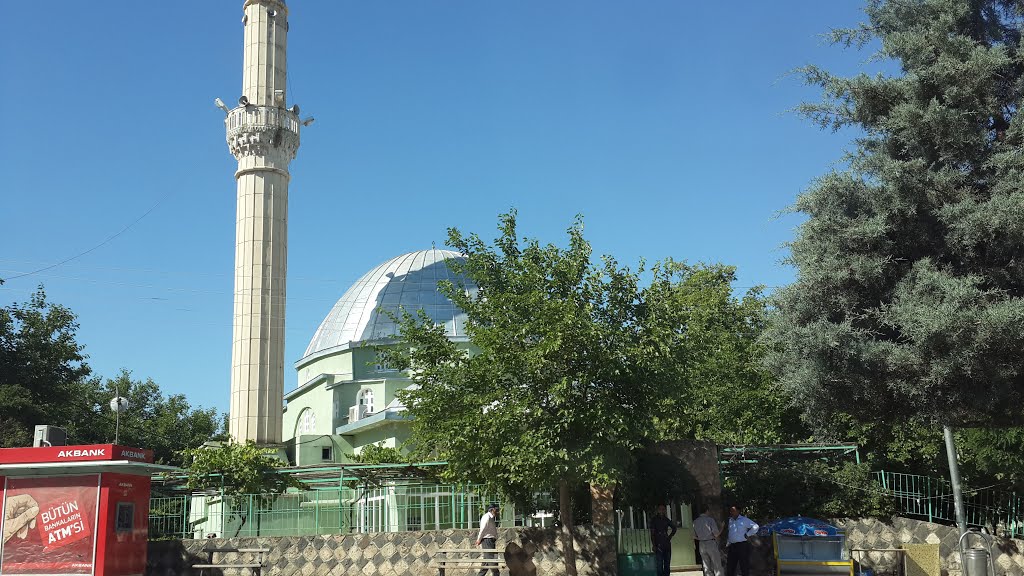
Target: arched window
point(307, 422)
point(366, 400)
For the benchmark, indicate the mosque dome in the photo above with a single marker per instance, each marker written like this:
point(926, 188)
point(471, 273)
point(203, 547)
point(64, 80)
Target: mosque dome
point(406, 282)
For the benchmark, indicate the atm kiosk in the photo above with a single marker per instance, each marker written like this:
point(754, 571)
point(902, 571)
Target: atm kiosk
point(75, 510)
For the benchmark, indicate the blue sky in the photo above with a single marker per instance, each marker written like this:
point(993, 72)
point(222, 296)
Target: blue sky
point(665, 123)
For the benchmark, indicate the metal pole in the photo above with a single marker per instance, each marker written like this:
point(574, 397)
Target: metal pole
point(954, 478)
point(929, 492)
point(117, 413)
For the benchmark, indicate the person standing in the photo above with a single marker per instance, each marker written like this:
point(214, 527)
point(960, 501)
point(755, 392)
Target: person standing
point(488, 536)
point(661, 539)
point(740, 529)
point(706, 532)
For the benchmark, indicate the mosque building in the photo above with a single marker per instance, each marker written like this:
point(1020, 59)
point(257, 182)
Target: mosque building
point(346, 397)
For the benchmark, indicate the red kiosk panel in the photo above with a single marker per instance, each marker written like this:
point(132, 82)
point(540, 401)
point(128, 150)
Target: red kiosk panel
point(50, 525)
point(124, 498)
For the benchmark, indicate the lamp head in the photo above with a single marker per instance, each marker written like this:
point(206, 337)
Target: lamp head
point(119, 404)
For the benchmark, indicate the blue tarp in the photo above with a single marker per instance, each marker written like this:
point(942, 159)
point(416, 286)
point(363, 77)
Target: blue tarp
point(799, 526)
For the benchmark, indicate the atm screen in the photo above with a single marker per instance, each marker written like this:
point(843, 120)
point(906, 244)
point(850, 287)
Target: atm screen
point(125, 517)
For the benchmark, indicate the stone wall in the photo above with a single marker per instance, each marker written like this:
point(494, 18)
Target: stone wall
point(894, 533)
point(869, 533)
point(528, 552)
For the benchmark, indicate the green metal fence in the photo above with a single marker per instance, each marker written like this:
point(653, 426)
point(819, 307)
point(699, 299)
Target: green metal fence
point(389, 508)
point(932, 499)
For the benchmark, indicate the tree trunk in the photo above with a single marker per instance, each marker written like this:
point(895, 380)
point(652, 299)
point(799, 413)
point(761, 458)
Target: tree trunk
point(565, 516)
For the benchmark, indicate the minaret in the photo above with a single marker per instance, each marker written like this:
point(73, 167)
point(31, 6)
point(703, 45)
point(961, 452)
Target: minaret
point(263, 135)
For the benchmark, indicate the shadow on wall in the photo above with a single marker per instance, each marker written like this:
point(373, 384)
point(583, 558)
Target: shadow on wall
point(169, 558)
point(544, 545)
point(1009, 547)
point(520, 560)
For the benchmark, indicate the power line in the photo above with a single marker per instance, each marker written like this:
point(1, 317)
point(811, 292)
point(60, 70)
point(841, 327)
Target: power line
point(80, 254)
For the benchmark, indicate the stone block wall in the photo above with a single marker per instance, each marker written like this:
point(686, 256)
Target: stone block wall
point(528, 552)
point(870, 533)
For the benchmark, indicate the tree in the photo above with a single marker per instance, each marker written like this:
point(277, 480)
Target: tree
point(42, 368)
point(909, 298)
point(724, 393)
point(657, 478)
point(237, 469)
point(166, 424)
point(993, 457)
point(379, 454)
point(44, 380)
point(817, 488)
point(566, 362)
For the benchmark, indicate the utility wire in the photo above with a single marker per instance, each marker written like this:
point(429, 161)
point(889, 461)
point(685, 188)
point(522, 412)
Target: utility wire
point(79, 255)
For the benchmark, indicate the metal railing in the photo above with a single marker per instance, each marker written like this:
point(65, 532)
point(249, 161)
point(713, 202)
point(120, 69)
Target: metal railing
point(243, 117)
point(393, 508)
point(932, 499)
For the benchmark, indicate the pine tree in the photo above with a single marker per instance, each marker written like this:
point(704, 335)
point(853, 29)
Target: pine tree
point(909, 298)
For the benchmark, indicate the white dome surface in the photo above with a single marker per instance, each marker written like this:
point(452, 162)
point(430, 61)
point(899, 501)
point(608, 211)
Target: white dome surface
point(406, 282)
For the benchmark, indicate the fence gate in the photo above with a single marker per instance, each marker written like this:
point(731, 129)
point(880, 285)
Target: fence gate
point(633, 537)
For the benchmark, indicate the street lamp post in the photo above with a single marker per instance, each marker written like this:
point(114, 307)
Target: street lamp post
point(118, 404)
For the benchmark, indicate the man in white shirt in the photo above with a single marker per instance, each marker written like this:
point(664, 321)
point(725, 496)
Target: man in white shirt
point(488, 536)
point(706, 532)
point(738, 551)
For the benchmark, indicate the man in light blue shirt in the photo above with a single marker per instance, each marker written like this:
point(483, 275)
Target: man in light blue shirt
point(738, 551)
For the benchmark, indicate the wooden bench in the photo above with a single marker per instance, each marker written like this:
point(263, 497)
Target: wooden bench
point(255, 566)
point(467, 559)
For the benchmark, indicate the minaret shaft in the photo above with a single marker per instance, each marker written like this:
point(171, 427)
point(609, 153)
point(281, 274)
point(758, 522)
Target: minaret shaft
point(263, 136)
point(266, 40)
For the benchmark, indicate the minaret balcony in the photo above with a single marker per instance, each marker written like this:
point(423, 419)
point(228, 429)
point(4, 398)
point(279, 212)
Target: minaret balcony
point(245, 118)
point(262, 131)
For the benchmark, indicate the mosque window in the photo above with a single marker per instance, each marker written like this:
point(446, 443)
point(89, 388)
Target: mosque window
point(366, 400)
point(382, 364)
point(307, 421)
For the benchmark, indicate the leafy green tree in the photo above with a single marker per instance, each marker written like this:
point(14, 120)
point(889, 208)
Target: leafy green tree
point(993, 457)
point(909, 298)
point(42, 369)
point(166, 424)
point(44, 380)
point(774, 489)
point(657, 478)
point(566, 366)
point(236, 469)
point(725, 395)
point(379, 454)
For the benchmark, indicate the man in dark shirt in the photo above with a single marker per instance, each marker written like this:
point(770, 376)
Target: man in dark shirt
point(661, 539)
